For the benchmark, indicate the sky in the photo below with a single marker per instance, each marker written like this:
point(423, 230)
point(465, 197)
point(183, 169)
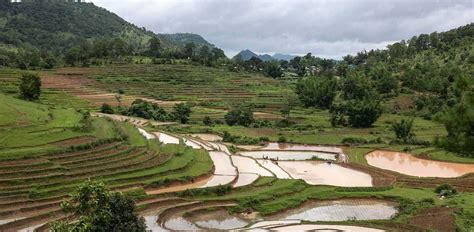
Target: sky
point(326, 28)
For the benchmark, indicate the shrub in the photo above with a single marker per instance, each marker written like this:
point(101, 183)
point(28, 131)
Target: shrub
point(354, 141)
point(242, 116)
point(445, 190)
point(106, 109)
point(282, 139)
point(403, 129)
point(207, 121)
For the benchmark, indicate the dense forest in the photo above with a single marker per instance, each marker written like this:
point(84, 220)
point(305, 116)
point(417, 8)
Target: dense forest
point(44, 31)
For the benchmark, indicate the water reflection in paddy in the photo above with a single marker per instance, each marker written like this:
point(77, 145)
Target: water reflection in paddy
point(319, 172)
point(179, 223)
point(301, 147)
point(216, 219)
point(289, 155)
point(407, 164)
point(341, 210)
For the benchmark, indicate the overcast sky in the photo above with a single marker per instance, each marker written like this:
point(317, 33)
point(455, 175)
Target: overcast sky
point(326, 28)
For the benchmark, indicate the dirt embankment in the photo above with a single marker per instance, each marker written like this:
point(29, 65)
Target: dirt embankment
point(436, 218)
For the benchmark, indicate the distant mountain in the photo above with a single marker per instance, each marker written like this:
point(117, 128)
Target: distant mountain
point(58, 25)
point(286, 57)
point(247, 54)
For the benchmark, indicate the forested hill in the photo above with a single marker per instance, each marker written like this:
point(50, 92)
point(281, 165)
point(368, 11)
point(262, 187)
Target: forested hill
point(424, 63)
point(56, 26)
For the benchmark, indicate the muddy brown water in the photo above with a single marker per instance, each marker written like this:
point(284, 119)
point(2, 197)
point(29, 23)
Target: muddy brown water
point(289, 155)
point(340, 210)
point(301, 147)
point(323, 173)
point(216, 219)
point(409, 165)
point(333, 228)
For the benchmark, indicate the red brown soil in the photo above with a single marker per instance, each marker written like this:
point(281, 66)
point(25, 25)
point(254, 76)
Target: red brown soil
point(379, 177)
point(437, 219)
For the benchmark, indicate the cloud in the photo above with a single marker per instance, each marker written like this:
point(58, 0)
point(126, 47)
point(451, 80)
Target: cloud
point(327, 28)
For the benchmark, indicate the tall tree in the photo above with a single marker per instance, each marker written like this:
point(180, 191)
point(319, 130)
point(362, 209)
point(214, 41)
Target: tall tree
point(154, 47)
point(30, 86)
point(317, 91)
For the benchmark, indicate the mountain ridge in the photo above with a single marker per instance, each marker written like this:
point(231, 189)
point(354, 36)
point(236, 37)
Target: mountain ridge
point(248, 54)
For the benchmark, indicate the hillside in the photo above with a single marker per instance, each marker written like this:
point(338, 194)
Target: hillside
point(57, 25)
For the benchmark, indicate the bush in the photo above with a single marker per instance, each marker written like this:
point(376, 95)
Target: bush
point(282, 139)
point(181, 112)
point(403, 129)
point(207, 121)
point(363, 113)
point(242, 116)
point(445, 190)
point(354, 141)
point(106, 109)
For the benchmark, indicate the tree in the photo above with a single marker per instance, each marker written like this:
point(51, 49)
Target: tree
point(154, 47)
point(30, 86)
point(188, 50)
point(118, 97)
point(97, 209)
point(242, 116)
point(272, 69)
point(181, 112)
point(403, 129)
point(459, 119)
point(317, 91)
point(363, 113)
point(106, 109)
point(355, 86)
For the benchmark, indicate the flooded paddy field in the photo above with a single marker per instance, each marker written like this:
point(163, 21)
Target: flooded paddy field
point(323, 173)
point(340, 210)
point(409, 165)
point(219, 219)
point(301, 147)
point(290, 155)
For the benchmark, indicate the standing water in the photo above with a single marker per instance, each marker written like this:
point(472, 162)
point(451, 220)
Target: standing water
point(409, 165)
point(323, 173)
